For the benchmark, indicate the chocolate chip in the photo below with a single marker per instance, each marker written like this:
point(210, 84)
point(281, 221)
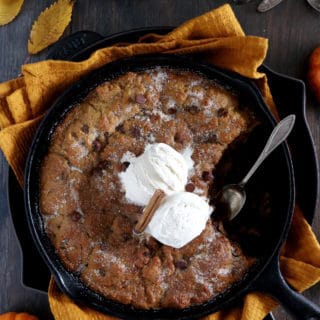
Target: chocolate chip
point(206, 175)
point(212, 138)
point(190, 187)
point(96, 172)
point(102, 272)
point(135, 132)
point(85, 128)
point(75, 216)
point(126, 237)
point(178, 137)
point(181, 264)
point(120, 128)
point(96, 145)
point(104, 164)
point(222, 112)
point(125, 165)
point(74, 135)
point(172, 110)
point(106, 137)
point(63, 175)
point(146, 253)
point(193, 109)
point(103, 246)
point(141, 99)
point(155, 117)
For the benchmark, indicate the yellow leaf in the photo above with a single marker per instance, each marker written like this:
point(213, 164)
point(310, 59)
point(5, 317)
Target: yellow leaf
point(50, 25)
point(9, 9)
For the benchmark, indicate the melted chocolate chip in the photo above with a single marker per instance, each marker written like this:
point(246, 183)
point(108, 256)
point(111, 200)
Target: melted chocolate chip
point(125, 165)
point(106, 137)
point(63, 175)
point(172, 110)
point(96, 172)
point(141, 99)
point(222, 112)
point(126, 237)
point(193, 109)
point(178, 137)
point(135, 132)
point(74, 135)
point(155, 117)
point(206, 175)
point(146, 253)
point(96, 145)
point(102, 272)
point(120, 128)
point(103, 246)
point(181, 264)
point(190, 187)
point(85, 128)
point(104, 164)
point(212, 138)
point(75, 216)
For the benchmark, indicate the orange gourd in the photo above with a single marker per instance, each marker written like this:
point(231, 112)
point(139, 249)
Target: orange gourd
point(17, 316)
point(313, 75)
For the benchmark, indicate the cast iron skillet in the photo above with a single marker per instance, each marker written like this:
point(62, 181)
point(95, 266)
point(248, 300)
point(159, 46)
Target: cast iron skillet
point(264, 276)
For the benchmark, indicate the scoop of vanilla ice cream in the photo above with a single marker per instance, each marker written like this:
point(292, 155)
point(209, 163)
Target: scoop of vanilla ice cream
point(159, 167)
point(180, 218)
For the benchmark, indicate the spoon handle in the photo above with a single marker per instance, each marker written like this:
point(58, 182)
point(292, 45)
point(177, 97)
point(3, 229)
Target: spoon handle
point(277, 136)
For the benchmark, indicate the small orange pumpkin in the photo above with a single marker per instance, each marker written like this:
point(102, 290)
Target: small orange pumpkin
point(313, 75)
point(17, 316)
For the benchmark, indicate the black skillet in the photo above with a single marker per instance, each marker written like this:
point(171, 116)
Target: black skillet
point(265, 276)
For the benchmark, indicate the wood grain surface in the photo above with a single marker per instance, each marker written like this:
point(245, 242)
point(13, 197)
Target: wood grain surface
point(293, 30)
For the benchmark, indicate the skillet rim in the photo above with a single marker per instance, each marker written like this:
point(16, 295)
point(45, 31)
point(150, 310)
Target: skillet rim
point(77, 291)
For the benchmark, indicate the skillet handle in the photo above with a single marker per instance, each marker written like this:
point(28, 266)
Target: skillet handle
point(272, 282)
point(72, 44)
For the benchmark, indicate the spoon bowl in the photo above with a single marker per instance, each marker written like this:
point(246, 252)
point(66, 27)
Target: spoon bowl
point(233, 198)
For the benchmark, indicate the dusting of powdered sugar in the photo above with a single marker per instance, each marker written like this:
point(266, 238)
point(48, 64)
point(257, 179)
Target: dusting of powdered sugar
point(93, 134)
point(159, 77)
point(163, 116)
point(128, 156)
point(73, 168)
point(75, 195)
point(80, 149)
point(224, 271)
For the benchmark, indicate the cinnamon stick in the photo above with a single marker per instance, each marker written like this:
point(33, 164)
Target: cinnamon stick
point(149, 211)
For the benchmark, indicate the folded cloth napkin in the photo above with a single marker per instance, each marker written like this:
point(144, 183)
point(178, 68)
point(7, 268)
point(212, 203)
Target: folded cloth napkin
point(216, 37)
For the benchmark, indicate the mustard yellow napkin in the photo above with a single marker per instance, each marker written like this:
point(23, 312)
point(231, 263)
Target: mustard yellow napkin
point(216, 37)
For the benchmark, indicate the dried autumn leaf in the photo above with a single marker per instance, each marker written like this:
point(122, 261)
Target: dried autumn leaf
point(50, 25)
point(9, 9)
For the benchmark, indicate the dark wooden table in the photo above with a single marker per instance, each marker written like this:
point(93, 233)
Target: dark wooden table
point(293, 30)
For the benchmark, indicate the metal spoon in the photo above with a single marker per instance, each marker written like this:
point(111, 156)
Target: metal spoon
point(315, 4)
point(267, 5)
point(233, 196)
